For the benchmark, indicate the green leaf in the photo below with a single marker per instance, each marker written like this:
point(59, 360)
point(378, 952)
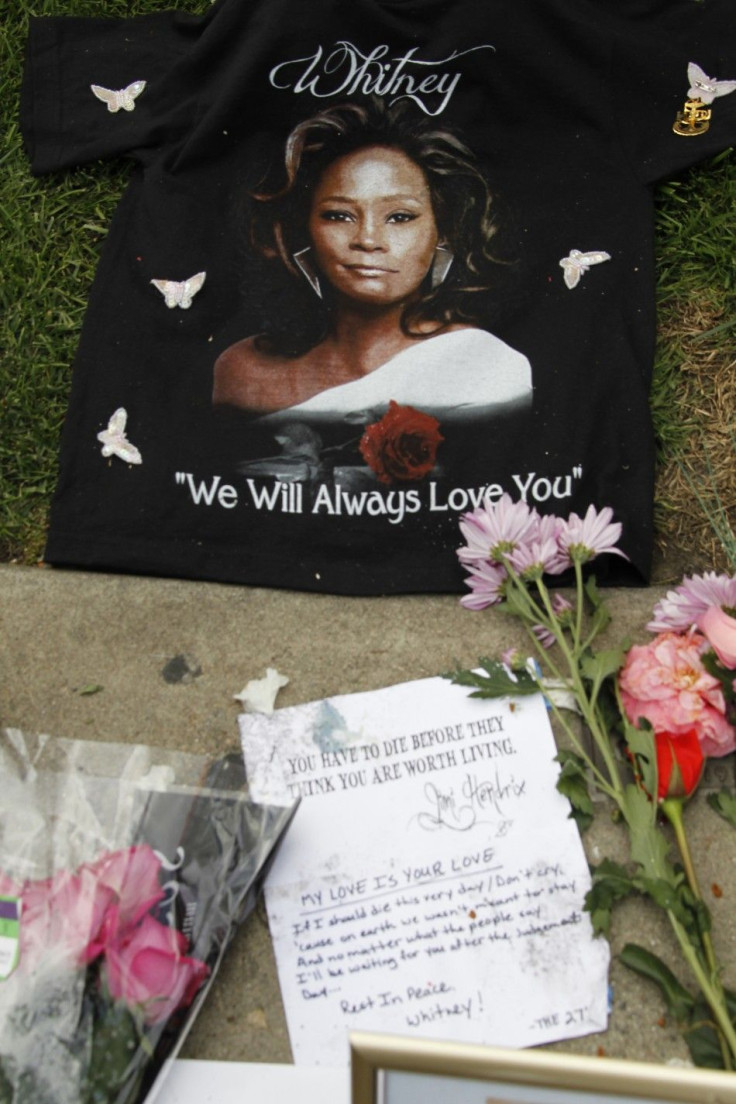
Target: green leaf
point(610, 883)
point(673, 894)
point(573, 784)
point(518, 602)
point(601, 615)
point(724, 803)
point(89, 689)
point(598, 666)
point(495, 681)
point(638, 809)
point(702, 1035)
point(664, 894)
point(610, 715)
point(600, 620)
point(117, 1057)
point(592, 593)
point(700, 918)
point(703, 1042)
point(717, 670)
point(649, 846)
point(640, 745)
point(679, 1001)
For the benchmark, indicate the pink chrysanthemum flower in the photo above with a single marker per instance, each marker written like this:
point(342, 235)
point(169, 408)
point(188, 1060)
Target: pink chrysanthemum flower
point(537, 558)
point(487, 583)
point(544, 636)
point(551, 528)
point(562, 609)
point(561, 606)
point(585, 538)
point(681, 608)
point(493, 531)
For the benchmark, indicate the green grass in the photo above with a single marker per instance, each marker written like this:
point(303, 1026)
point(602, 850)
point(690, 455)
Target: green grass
point(694, 391)
point(721, 517)
point(52, 230)
point(696, 288)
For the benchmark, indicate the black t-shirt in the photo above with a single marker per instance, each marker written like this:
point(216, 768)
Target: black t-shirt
point(376, 261)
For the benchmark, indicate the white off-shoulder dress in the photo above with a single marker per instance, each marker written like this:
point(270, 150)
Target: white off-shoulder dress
point(461, 373)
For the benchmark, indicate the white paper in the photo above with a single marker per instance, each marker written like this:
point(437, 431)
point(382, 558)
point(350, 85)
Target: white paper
point(432, 882)
point(196, 1082)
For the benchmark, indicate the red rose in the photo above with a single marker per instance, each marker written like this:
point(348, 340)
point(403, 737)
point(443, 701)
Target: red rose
point(403, 445)
point(680, 762)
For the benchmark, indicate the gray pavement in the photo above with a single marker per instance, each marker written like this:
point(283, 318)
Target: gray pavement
point(169, 655)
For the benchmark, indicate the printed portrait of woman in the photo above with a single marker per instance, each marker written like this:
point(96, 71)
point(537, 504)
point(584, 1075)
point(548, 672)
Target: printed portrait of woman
point(386, 220)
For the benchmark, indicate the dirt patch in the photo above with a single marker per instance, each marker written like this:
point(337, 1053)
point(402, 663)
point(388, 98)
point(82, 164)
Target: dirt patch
point(701, 478)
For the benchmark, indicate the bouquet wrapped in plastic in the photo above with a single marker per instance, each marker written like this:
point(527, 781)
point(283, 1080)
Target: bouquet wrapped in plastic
point(124, 873)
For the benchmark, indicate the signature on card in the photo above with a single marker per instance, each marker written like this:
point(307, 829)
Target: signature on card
point(479, 801)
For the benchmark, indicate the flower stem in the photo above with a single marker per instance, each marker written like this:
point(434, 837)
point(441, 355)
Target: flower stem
point(578, 604)
point(588, 709)
point(532, 610)
point(712, 993)
point(672, 809)
point(600, 779)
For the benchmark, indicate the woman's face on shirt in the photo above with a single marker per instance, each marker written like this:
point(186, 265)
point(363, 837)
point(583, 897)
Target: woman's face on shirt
point(372, 226)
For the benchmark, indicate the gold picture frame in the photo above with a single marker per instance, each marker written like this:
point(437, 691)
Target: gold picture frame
point(388, 1069)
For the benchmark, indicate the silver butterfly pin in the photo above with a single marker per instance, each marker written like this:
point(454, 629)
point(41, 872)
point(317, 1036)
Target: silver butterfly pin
point(705, 88)
point(121, 97)
point(576, 263)
point(179, 293)
point(114, 441)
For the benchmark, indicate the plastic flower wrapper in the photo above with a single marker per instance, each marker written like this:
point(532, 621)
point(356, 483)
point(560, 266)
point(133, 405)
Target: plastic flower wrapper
point(125, 872)
point(651, 715)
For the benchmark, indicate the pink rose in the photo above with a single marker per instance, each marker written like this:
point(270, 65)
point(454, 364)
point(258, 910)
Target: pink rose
point(665, 683)
point(62, 915)
point(76, 915)
point(720, 629)
point(132, 875)
point(8, 887)
point(147, 968)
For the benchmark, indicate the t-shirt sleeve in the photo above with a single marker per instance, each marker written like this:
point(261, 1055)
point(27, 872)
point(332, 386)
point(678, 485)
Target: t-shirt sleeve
point(133, 105)
point(655, 43)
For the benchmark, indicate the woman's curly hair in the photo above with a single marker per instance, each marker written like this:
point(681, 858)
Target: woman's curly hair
point(461, 201)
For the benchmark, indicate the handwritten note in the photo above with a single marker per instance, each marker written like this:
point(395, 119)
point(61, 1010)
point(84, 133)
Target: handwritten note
point(432, 881)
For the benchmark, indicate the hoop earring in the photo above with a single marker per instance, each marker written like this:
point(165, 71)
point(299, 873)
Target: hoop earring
point(302, 262)
point(443, 258)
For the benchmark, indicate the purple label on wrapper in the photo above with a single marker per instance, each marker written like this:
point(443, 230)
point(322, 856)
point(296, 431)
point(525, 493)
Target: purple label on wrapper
point(8, 909)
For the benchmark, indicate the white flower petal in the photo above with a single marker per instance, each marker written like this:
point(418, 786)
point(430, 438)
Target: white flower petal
point(259, 695)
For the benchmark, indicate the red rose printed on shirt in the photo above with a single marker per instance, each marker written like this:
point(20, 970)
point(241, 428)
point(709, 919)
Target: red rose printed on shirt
point(402, 445)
